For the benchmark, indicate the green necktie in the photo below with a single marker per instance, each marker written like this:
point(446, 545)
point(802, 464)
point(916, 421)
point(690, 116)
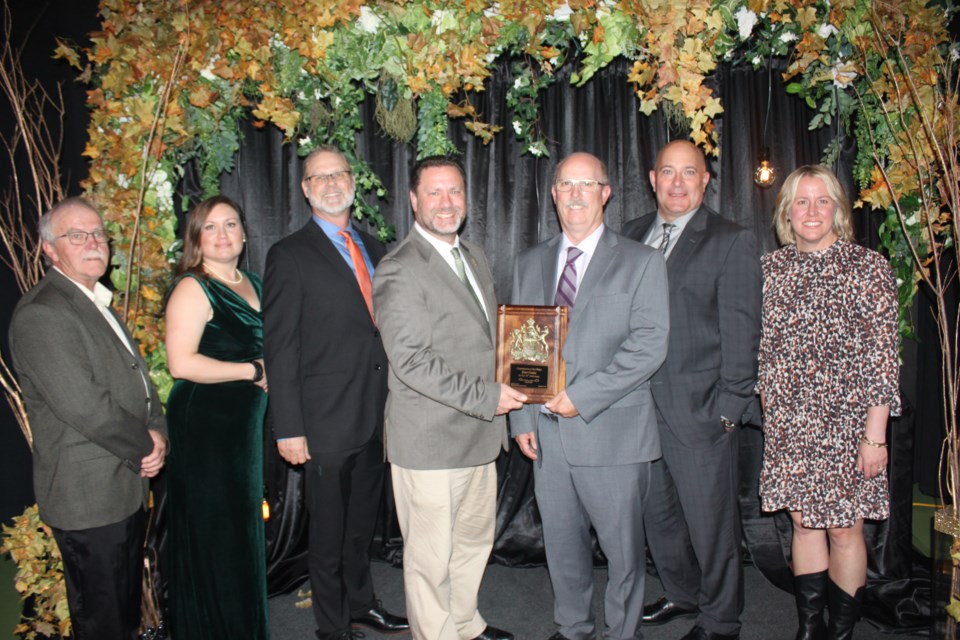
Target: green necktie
point(462, 272)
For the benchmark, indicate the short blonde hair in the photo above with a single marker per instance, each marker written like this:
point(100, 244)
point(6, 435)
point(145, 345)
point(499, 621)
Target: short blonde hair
point(842, 223)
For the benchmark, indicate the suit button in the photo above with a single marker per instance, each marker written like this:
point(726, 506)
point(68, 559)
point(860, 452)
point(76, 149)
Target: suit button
point(376, 334)
point(133, 366)
point(378, 367)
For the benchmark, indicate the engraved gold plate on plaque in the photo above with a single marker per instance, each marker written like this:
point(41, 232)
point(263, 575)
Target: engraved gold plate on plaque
point(529, 349)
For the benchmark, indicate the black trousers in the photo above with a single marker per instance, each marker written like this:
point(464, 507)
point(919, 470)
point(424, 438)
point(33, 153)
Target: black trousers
point(343, 494)
point(103, 568)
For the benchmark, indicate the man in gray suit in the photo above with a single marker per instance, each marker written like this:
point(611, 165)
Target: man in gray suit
point(594, 441)
point(434, 303)
point(704, 393)
point(98, 427)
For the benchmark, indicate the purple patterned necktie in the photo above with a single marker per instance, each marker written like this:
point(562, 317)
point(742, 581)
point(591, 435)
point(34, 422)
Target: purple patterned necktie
point(567, 287)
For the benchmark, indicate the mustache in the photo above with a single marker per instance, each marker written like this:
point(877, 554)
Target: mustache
point(94, 254)
point(577, 203)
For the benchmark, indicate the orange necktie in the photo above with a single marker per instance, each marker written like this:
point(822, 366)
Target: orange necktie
point(360, 267)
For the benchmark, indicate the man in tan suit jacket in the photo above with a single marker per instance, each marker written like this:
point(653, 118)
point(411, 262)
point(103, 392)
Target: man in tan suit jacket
point(434, 303)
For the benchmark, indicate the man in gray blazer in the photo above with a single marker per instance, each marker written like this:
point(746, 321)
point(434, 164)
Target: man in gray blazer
point(704, 393)
point(594, 441)
point(98, 427)
point(434, 303)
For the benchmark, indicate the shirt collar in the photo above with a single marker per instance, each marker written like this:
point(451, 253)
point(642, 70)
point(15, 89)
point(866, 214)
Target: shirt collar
point(438, 244)
point(331, 230)
point(100, 295)
point(588, 245)
point(679, 223)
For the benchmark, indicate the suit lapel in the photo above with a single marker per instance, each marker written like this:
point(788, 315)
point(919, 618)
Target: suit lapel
point(548, 267)
point(340, 269)
point(599, 263)
point(92, 318)
point(438, 266)
point(687, 242)
point(486, 293)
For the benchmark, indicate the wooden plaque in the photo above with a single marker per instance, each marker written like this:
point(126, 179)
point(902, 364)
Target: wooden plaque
point(529, 350)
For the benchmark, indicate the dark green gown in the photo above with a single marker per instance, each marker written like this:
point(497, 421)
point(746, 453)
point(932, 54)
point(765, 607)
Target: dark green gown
point(215, 545)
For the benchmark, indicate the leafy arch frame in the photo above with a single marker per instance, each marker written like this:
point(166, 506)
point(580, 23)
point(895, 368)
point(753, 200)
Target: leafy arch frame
point(171, 80)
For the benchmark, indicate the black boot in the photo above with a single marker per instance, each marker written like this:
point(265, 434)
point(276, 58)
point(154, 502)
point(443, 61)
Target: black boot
point(844, 611)
point(810, 591)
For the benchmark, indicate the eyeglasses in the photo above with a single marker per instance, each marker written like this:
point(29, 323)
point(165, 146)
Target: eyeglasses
point(79, 238)
point(324, 178)
point(586, 186)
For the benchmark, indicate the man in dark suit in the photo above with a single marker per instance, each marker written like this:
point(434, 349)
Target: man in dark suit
point(704, 393)
point(328, 385)
point(98, 427)
point(435, 303)
point(594, 441)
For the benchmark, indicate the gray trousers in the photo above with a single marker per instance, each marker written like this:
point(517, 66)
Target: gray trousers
point(571, 499)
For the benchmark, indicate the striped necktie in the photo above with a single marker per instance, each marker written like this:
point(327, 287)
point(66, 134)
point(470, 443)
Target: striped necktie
point(567, 287)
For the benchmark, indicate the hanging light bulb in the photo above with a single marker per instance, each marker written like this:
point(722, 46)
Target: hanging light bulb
point(765, 174)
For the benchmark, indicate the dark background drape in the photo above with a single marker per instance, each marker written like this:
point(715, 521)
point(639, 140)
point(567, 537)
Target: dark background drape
point(510, 209)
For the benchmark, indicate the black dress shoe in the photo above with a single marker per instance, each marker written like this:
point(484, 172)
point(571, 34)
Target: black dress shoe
point(492, 633)
point(340, 635)
point(699, 633)
point(665, 610)
point(380, 620)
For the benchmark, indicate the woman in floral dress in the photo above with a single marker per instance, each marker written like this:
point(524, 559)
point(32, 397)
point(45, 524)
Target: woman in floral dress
point(828, 380)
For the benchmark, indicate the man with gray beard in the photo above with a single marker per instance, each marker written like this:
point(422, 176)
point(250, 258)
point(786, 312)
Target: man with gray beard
point(328, 386)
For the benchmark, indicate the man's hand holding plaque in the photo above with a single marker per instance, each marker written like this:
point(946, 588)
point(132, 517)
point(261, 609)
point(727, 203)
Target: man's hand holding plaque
point(529, 346)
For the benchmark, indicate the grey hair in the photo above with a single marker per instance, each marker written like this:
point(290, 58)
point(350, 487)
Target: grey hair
point(324, 148)
point(45, 223)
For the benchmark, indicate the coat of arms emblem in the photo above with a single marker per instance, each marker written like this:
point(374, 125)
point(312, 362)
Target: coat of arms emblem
point(529, 342)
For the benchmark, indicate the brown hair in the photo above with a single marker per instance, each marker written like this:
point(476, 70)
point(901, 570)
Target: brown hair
point(191, 260)
point(842, 224)
point(431, 162)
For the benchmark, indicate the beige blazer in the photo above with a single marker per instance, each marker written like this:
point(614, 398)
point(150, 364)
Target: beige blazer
point(442, 394)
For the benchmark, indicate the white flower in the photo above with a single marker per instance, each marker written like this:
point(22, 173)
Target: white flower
point(207, 71)
point(443, 20)
point(899, 281)
point(517, 127)
point(843, 73)
point(954, 52)
point(562, 13)
point(756, 61)
point(337, 101)
point(518, 82)
point(162, 189)
point(746, 21)
point(123, 181)
point(301, 95)
point(826, 30)
point(788, 36)
point(538, 150)
point(912, 220)
point(369, 21)
point(304, 141)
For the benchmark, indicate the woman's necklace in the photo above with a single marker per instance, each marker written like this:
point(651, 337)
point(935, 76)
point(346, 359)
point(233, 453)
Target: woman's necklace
point(220, 277)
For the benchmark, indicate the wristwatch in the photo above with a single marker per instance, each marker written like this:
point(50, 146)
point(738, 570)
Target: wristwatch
point(728, 424)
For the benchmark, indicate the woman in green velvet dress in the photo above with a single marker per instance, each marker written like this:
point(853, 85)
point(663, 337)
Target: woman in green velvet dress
point(215, 545)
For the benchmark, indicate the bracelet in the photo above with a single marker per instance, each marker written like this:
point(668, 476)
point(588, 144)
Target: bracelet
point(870, 443)
point(257, 371)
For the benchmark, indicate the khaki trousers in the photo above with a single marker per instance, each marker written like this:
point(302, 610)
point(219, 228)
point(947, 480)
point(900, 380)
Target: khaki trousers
point(447, 517)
